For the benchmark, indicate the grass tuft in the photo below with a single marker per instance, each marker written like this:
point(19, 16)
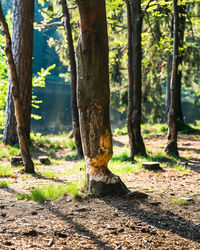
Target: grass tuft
point(53, 192)
point(3, 184)
point(184, 170)
point(123, 157)
point(9, 151)
point(6, 171)
point(121, 131)
point(71, 144)
point(180, 201)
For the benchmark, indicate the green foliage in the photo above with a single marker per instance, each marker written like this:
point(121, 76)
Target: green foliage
point(9, 151)
point(180, 200)
point(53, 192)
point(49, 174)
point(3, 75)
point(149, 129)
point(121, 164)
point(39, 81)
point(71, 144)
point(160, 157)
point(3, 184)
point(123, 157)
point(184, 170)
point(122, 131)
point(6, 171)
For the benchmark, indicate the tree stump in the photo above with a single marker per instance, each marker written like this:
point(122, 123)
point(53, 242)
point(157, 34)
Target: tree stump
point(16, 161)
point(151, 165)
point(44, 160)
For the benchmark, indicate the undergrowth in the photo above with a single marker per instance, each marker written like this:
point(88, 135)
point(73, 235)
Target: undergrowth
point(3, 184)
point(6, 171)
point(53, 192)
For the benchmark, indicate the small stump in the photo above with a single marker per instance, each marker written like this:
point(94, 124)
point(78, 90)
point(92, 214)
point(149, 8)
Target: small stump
point(44, 160)
point(16, 161)
point(151, 165)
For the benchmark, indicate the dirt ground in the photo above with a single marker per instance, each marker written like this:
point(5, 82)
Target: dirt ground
point(147, 219)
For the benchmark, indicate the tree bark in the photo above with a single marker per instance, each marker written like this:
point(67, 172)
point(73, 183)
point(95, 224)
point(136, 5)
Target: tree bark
point(93, 98)
point(181, 30)
point(22, 49)
point(75, 116)
point(23, 140)
point(171, 147)
point(168, 92)
point(135, 17)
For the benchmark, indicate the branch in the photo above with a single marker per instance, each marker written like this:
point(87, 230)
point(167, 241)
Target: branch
point(51, 16)
point(119, 48)
point(49, 25)
point(147, 6)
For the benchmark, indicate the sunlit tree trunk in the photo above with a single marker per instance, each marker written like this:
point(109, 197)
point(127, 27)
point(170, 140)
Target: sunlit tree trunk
point(135, 18)
point(75, 116)
point(93, 98)
point(22, 49)
point(23, 139)
point(171, 147)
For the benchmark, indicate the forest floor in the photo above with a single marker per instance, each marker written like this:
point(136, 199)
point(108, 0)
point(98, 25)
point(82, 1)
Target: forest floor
point(163, 211)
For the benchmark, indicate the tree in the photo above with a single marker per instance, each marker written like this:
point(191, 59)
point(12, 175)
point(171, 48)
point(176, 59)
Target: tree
point(23, 139)
point(135, 17)
point(181, 30)
point(171, 147)
point(75, 116)
point(93, 98)
point(22, 48)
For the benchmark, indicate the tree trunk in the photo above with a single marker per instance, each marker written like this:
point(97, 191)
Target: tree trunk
point(22, 49)
point(181, 30)
point(75, 117)
point(10, 129)
point(171, 147)
point(23, 140)
point(93, 98)
point(135, 18)
point(168, 92)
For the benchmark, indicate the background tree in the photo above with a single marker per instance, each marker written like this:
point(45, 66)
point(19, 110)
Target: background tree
point(75, 116)
point(135, 18)
point(93, 98)
point(171, 147)
point(22, 47)
point(23, 139)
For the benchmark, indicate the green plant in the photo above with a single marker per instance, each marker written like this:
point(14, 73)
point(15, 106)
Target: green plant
point(121, 157)
point(154, 129)
point(122, 131)
point(71, 157)
point(181, 200)
point(49, 174)
point(53, 192)
point(9, 151)
point(184, 170)
point(51, 151)
point(6, 171)
point(124, 168)
point(71, 144)
point(3, 184)
point(39, 80)
point(160, 157)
